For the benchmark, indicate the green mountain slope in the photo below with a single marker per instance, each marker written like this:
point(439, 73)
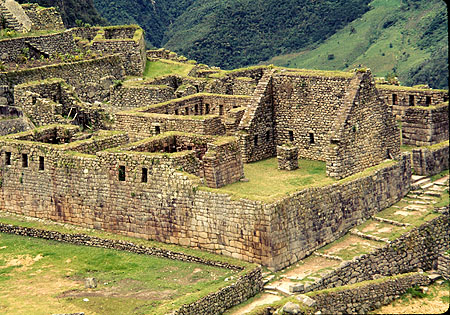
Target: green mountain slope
point(73, 10)
point(235, 33)
point(408, 38)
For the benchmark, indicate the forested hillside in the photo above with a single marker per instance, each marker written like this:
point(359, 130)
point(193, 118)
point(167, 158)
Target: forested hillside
point(405, 38)
point(73, 10)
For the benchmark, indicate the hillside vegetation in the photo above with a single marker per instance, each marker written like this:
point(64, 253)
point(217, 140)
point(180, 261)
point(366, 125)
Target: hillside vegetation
point(406, 38)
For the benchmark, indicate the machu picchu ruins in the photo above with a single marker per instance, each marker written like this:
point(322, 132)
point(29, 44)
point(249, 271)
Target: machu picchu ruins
point(90, 138)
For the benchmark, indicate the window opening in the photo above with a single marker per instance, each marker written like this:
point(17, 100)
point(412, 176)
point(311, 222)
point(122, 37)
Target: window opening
point(8, 158)
point(122, 173)
point(24, 160)
point(144, 175)
point(311, 138)
point(428, 100)
point(291, 135)
point(41, 163)
point(411, 100)
point(394, 99)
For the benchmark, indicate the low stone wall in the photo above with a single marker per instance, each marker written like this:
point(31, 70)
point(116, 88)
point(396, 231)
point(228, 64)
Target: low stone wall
point(432, 160)
point(86, 240)
point(417, 249)
point(365, 297)
point(218, 302)
point(142, 125)
point(444, 265)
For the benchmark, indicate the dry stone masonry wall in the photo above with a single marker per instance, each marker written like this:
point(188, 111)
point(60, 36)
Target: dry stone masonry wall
point(432, 160)
point(366, 296)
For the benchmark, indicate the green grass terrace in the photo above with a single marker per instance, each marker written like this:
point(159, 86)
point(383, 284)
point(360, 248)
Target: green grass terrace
point(267, 183)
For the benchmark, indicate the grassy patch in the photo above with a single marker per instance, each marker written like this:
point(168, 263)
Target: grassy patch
point(161, 67)
point(66, 228)
point(439, 175)
point(350, 246)
point(128, 283)
point(383, 230)
point(266, 182)
point(443, 200)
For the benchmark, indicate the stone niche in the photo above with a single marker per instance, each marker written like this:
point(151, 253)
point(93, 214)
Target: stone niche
point(287, 156)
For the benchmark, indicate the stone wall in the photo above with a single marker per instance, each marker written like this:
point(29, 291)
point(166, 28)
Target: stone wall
point(223, 163)
point(49, 45)
point(172, 206)
point(443, 265)
point(425, 125)
point(43, 18)
point(128, 96)
point(432, 160)
point(401, 98)
point(364, 132)
point(218, 302)
point(53, 101)
point(314, 217)
point(419, 248)
point(142, 125)
point(91, 78)
point(257, 127)
point(367, 296)
point(287, 157)
point(128, 41)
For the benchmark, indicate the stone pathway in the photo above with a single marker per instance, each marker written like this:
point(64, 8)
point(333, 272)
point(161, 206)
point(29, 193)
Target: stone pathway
point(374, 233)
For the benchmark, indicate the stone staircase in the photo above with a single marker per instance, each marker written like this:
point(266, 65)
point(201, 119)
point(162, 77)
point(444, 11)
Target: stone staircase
point(14, 16)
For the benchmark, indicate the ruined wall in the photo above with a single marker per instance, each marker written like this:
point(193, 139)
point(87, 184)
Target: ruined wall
point(13, 125)
point(366, 296)
point(53, 101)
point(401, 98)
point(51, 45)
point(364, 132)
point(444, 265)
point(128, 41)
point(142, 125)
point(138, 95)
point(432, 160)
point(91, 78)
point(425, 125)
point(223, 163)
point(43, 18)
point(257, 132)
point(315, 217)
point(305, 107)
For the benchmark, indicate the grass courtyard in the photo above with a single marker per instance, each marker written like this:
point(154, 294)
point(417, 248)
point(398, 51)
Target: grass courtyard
point(46, 277)
point(267, 182)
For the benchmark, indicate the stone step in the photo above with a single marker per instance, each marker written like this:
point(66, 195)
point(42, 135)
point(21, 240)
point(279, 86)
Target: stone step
point(427, 185)
point(328, 256)
point(416, 178)
point(423, 181)
point(433, 193)
point(442, 181)
point(390, 221)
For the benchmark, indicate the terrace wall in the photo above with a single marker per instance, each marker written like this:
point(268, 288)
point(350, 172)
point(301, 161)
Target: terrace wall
point(314, 217)
point(432, 160)
point(425, 125)
point(91, 78)
point(139, 95)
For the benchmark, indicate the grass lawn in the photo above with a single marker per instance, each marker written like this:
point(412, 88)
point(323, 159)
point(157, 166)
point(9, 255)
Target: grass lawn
point(267, 182)
point(46, 277)
point(162, 67)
